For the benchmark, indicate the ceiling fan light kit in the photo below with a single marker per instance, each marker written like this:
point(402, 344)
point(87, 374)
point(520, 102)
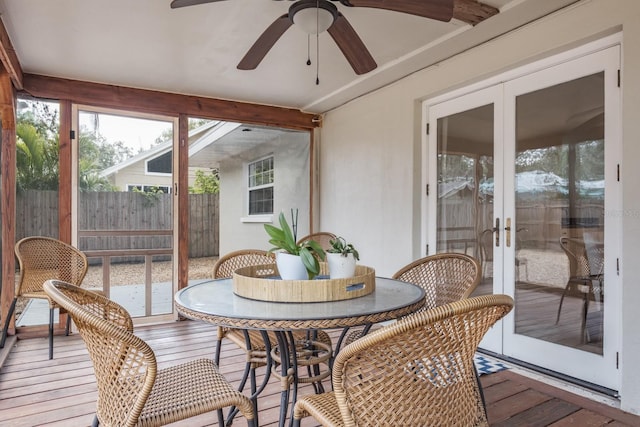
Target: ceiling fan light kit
point(313, 16)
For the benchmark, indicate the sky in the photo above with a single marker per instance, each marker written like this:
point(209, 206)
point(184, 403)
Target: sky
point(134, 132)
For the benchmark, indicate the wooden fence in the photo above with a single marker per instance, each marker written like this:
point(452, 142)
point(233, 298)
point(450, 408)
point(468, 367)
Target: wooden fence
point(147, 214)
point(37, 214)
point(540, 224)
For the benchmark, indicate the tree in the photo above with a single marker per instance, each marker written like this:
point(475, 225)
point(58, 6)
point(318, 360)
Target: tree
point(97, 154)
point(36, 159)
point(43, 116)
point(206, 183)
point(37, 151)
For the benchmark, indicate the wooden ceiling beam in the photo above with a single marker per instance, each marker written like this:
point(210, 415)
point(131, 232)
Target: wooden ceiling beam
point(9, 58)
point(125, 98)
point(472, 11)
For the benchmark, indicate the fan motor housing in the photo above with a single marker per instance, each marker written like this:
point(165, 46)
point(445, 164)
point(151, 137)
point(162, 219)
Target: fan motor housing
point(313, 4)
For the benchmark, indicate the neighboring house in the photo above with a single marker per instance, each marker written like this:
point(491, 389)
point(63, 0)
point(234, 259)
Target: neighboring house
point(262, 171)
point(151, 170)
point(243, 217)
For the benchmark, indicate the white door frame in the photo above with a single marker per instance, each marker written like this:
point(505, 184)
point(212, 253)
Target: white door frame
point(601, 370)
point(594, 368)
point(488, 96)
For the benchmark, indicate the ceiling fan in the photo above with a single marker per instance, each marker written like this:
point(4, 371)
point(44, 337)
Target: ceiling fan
point(317, 16)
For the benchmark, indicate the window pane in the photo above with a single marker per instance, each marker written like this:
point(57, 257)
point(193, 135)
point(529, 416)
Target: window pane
point(261, 175)
point(261, 201)
point(560, 196)
point(161, 164)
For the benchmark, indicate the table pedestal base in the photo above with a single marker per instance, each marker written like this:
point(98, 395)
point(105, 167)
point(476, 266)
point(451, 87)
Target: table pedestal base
point(316, 356)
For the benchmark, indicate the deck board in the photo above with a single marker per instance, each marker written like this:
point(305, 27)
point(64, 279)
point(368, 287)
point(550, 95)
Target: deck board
point(61, 392)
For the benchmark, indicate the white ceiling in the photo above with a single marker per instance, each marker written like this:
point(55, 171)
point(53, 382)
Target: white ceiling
point(195, 50)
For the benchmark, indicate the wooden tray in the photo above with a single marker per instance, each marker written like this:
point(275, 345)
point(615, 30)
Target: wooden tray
point(262, 282)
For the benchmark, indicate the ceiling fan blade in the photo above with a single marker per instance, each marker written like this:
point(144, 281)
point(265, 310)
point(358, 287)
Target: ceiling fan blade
point(264, 43)
point(441, 10)
point(184, 3)
point(351, 46)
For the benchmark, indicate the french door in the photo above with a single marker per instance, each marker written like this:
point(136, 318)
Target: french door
point(523, 172)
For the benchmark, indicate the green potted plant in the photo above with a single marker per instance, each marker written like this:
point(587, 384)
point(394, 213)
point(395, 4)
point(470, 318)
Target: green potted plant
point(342, 257)
point(295, 261)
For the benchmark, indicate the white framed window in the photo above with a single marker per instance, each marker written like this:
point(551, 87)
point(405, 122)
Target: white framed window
point(260, 186)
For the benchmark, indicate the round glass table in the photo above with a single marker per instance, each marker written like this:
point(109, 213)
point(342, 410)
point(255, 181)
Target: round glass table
point(215, 302)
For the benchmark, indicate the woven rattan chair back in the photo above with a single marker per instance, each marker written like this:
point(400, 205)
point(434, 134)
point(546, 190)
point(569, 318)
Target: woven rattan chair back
point(418, 371)
point(576, 254)
point(581, 278)
point(44, 258)
point(228, 263)
point(127, 373)
point(445, 277)
point(322, 237)
point(40, 259)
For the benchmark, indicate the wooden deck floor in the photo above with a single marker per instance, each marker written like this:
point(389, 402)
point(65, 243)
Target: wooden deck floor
point(35, 391)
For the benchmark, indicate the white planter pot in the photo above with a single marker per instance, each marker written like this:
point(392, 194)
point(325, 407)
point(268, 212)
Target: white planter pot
point(291, 267)
point(341, 267)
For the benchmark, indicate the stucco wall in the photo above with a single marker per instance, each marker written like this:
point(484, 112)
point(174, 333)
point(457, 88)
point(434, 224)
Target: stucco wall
point(291, 190)
point(370, 163)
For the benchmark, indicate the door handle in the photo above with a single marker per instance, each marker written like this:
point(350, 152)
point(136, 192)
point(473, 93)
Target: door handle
point(507, 228)
point(496, 231)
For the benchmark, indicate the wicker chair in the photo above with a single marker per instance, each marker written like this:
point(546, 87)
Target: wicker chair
point(40, 259)
point(445, 278)
point(417, 371)
point(132, 391)
point(322, 237)
point(256, 356)
point(581, 278)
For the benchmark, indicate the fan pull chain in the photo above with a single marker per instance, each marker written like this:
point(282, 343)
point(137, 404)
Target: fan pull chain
point(317, 59)
point(317, 43)
point(308, 49)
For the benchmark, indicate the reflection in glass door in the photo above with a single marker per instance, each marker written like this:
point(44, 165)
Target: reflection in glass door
point(467, 169)
point(559, 212)
point(561, 131)
point(465, 187)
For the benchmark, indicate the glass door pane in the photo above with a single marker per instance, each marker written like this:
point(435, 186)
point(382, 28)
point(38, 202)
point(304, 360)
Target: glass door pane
point(559, 211)
point(465, 173)
point(124, 208)
point(467, 205)
point(563, 151)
